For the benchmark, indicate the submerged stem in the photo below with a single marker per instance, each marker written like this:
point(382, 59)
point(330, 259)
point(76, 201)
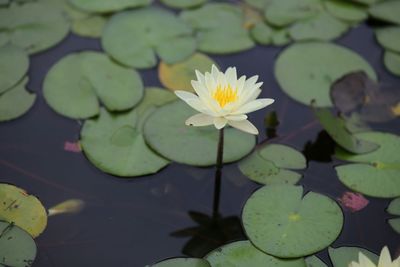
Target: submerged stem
point(218, 173)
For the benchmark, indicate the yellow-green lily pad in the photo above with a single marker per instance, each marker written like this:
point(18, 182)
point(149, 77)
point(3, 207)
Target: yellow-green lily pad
point(14, 64)
point(33, 26)
point(314, 261)
point(21, 209)
point(183, 4)
point(392, 62)
point(283, 156)
point(389, 38)
point(165, 131)
point(16, 101)
point(278, 218)
point(182, 262)
point(386, 11)
point(306, 71)
point(342, 256)
point(107, 6)
point(394, 209)
point(219, 28)
point(244, 254)
point(346, 10)
point(91, 26)
point(135, 38)
point(17, 248)
point(75, 83)
point(179, 76)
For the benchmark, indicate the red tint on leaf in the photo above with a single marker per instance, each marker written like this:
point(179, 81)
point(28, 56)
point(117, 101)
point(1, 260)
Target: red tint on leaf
point(353, 201)
point(74, 147)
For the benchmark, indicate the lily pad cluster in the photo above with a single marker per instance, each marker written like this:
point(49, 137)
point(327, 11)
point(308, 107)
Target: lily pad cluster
point(375, 173)
point(394, 209)
point(15, 100)
point(274, 164)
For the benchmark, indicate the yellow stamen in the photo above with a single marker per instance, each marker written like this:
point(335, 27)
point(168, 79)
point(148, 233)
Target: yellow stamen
point(224, 95)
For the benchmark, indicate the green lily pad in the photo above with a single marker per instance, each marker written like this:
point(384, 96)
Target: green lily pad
point(342, 256)
point(394, 207)
point(74, 84)
point(284, 12)
point(182, 262)
point(115, 144)
point(314, 261)
point(91, 26)
point(392, 62)
point(17, 248)
point(16, 101)
point(260, 4)
point(281, 37)
point(262, 33)
point(220, 28)
point(323, 27)
point(306, 71)
point(338, 130)
point(283, 156)
point(24, 210)
point(183, 4)
point(278, 218)
point(179, 76)
point(172, 43)
point(106, 6)
point(165, 130)
point(366, 2)
point(387, 11)
point(11, 74)
point(33, 26)
point(266, 172)
point(395, 224)
point(389, 38)
point(346, 10)
point(244, 254)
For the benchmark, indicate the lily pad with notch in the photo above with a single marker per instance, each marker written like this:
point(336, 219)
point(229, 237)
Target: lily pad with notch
point(346, 10)
point(277, 218)
point(106, 6)
point(165, 130)
point(389, 38)
point(394, 209)
point(173, 42)
point(306, 71)
point(387, 11)
point(77, 83)
point(244, 254)
point(183, 4)
point(16, 101)
point(22, 209)
point(11, 74)
point(314, 261)
point(392, 62)
point(17, 248)
point(182, 262)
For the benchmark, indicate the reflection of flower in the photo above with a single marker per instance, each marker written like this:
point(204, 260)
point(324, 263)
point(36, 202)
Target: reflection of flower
point(384, 260)
point(224, 99)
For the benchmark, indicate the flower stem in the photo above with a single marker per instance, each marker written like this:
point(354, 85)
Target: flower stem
point(218, 173)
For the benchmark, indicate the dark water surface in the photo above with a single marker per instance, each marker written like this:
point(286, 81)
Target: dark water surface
point(134, 222)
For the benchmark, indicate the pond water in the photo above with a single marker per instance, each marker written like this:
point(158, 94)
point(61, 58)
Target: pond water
point(134, 222)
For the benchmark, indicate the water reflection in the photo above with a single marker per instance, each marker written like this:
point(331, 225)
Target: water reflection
point(321, 150)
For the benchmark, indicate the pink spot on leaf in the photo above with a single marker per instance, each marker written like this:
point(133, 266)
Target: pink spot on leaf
point(74, 147)
point(353, 201)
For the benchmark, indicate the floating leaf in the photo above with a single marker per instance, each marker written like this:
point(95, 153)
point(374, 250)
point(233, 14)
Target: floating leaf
point(306, 71)
point(395, 224)
point(387, 11)
point(345, 10)
point(91, 26)
point(14, 64)
point(106, 6)
point(392, 62)
point(182, 262)
point(353, 201)
point(281, 37)
point(68, 206)
point(284, 12)
point(283, 156)
point(244, 254)
point(394, 207)
point(16, 101)
point(24, 210)
point(173, 42)
point(17, 248)
point(389, 38)
point(314, 261)
point(219, 28)
point(343, 256)
point(260, 4)
point(33, 26)
point(179, 76)
point(182, 4)
point(337, 129)
point(165, 131)
point(262, 33)
point(74, 84)
point(115, 144)
point(277, 219)
point(323, 27)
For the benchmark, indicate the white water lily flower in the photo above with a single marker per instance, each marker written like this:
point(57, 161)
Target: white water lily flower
point(224, 99)
point(384, 260)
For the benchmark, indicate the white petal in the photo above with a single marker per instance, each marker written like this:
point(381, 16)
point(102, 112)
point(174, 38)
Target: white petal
point(385, 258)
point(184, 95)
point(220, 122)
point(231, 76)
point(253, 106)
point(211, 83)
point(240, 85)
point(221, 80)
point(200, 77)
point(244, 126)
point(251, 81)
point(240, 117)
point(200, 90)
point(214, 72)
point(200, 120)
point(365, 261)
